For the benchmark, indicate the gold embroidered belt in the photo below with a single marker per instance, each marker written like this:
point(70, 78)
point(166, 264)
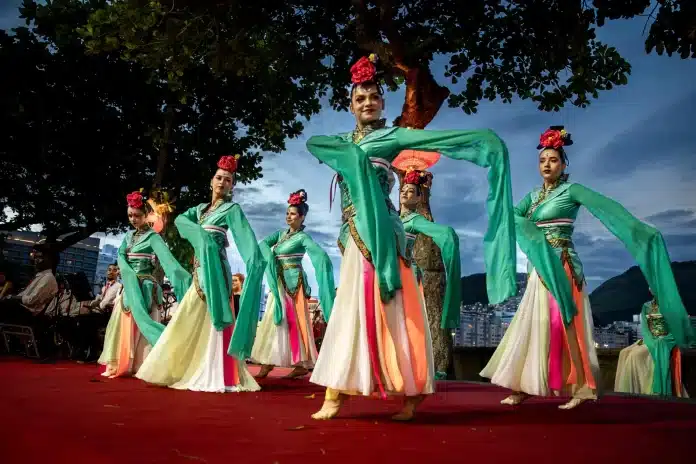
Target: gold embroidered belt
point(560, 243)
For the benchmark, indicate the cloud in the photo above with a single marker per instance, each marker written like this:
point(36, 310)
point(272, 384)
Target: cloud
point(671, 215)
point(634, 145)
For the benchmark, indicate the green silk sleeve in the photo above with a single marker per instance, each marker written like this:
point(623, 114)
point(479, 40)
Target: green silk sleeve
point(523, 206)
point(533, 244)
point(191, 214)
point(175, 272)
point(135, 300)
point(323, 269)
point(211, 270)
point(447, 240)
point(272, 273)
point(250, 301)
point(485, 149)
point(373, 222)
point(646, 245)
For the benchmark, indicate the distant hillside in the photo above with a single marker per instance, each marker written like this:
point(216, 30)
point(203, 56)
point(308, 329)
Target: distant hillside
point(620, 297)
point(617, 299)
point(474, 288)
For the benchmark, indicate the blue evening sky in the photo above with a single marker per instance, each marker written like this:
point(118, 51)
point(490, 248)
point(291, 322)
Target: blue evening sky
point(636, 144)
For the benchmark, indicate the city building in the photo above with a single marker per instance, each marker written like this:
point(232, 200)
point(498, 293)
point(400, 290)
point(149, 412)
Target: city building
point(485, 325)
point(80, 257)
point(611, 337)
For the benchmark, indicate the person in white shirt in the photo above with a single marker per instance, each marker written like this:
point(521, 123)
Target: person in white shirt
point(33, 300)
point(104, 302)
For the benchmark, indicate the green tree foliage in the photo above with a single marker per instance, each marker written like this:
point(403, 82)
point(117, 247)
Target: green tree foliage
point(542, 50)
point(81, 130)
point(672, 23)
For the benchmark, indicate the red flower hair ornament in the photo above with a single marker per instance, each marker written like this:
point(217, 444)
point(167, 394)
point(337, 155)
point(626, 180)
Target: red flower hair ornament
point(297, 198)
point(364, 69)
point(135, 200)
point(415, 177)
point(555, 137)
point(228, 163)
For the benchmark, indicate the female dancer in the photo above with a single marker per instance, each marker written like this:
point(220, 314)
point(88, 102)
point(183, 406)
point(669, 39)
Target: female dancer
point(134, 325)
point(286, 337)
point(192, 352)
point(652, 365)
point(377, 340)
point(548, 347)
point(412, 194)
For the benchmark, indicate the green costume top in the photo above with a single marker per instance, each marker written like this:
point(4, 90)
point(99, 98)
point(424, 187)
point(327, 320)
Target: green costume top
point(283, 251)
point(138, 257)
point(374, 224)
point(447, 240)
point(544, 224)
point(206, 229)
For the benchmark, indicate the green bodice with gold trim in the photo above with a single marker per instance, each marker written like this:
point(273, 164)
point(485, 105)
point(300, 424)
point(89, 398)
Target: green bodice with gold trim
point(284, 251)
point(555, 212)
point(206, 229)
point(139, 256)
point(544, 226)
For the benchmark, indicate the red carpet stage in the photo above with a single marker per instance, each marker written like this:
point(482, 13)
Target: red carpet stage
point(66, 413)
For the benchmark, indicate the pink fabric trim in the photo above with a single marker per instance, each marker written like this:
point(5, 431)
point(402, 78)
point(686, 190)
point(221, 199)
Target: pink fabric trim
point(371, 323)
point(229, 364)
point(555, 346)
point(293, 331)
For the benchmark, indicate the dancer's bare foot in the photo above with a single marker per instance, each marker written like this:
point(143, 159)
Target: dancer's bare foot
point(572, 404)
point(409, 409)
point(329, 409)
point(299, 371)
point(515, 398)
point(263, 373)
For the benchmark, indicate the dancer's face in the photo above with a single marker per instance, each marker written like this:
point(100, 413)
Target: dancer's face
point(366, 104)
point(222, 183)
point(136, 217)
point(409, 196)
point(293, 218)
point(551, 165)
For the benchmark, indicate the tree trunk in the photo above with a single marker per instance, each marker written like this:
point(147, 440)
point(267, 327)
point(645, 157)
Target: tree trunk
point(164, 146)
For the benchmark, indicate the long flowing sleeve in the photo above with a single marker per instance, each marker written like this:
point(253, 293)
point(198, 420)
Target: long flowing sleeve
point(374, 226)
point(135, 300)
point(646, 245)
point(250, 301)
point(447, 240)
point(211, 270)
point(323, 269)
point(272, 273)
point(523, 206)
point(485, 149)
point(175, 272)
